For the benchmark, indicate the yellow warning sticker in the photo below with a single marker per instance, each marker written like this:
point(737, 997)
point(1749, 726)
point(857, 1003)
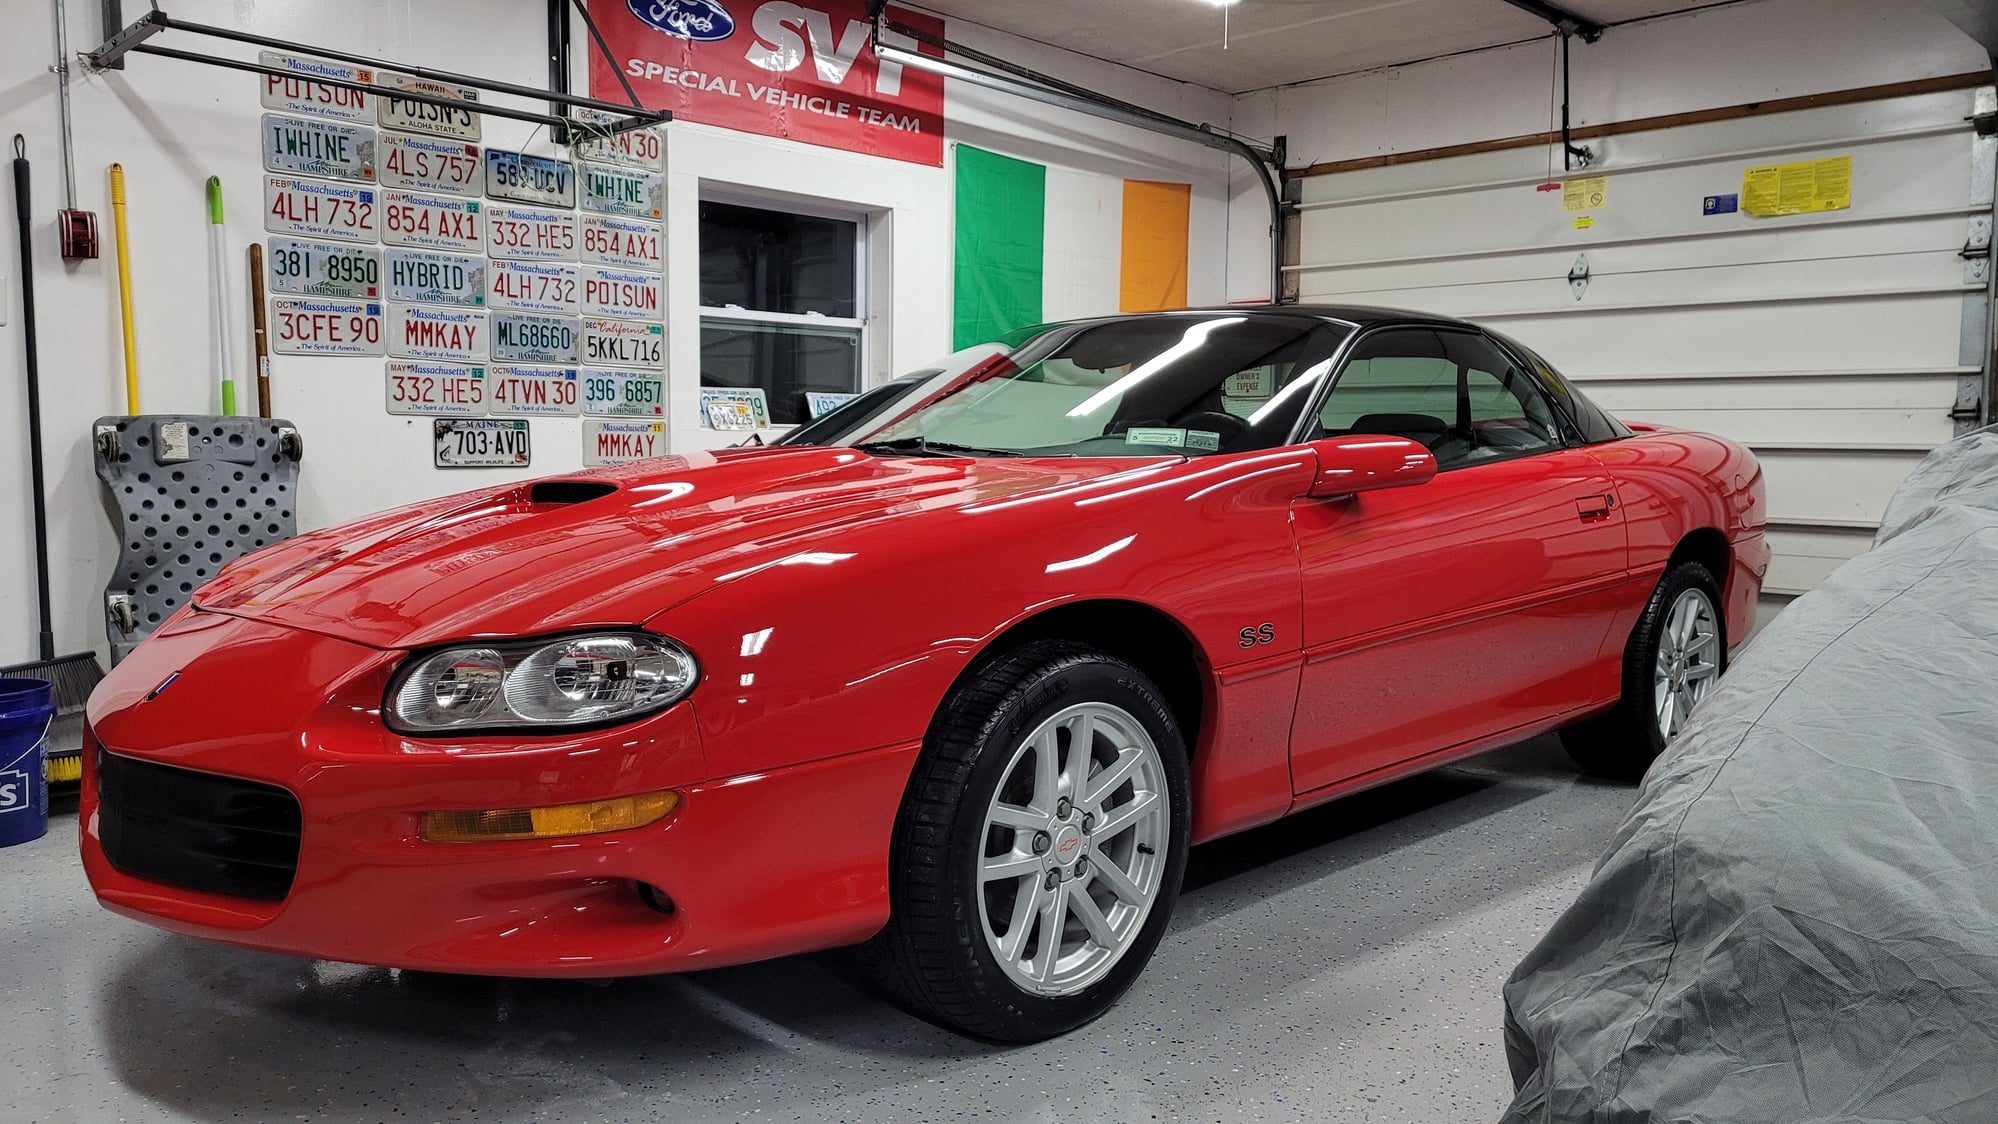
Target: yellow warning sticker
point(1802, 188)
point(1585, 194)
point(1585, 222)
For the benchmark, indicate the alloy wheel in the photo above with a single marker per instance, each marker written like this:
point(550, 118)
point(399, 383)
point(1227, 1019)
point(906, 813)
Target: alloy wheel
point(1688, 659)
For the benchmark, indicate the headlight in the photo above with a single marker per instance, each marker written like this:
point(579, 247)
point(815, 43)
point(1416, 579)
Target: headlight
point(595, 679)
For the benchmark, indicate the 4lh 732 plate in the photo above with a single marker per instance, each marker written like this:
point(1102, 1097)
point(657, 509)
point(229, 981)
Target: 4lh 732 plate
point(481, 443)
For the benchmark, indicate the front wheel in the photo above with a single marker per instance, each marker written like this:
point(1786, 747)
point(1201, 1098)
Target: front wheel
point(1672, 660)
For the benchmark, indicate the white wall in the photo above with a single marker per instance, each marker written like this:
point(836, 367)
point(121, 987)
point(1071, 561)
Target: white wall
point(173, 124)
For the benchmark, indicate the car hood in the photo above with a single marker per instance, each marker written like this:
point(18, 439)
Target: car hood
point(610, 546)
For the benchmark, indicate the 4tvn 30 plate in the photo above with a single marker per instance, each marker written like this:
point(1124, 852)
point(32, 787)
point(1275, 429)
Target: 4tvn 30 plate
point(480, 443)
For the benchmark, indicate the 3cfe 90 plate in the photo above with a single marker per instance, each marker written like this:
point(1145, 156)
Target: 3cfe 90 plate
point(315, 326)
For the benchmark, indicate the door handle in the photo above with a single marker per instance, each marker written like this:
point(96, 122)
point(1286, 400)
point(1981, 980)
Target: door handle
point(1594, 507)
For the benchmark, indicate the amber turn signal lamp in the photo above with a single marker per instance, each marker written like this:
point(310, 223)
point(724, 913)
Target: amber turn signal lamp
point(556, 821)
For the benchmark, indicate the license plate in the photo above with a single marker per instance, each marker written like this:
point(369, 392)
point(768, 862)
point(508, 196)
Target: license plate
point(431, 278)
point(522, 338)
point(319, 210)
point(624, 394)
point(313, 326)
point(530, 234)
point(327, 149)
point(618, 442)
point(430, 164)
point(427, 117)
point(724, 408)
point(626, 243)
point(300, 90)
point(320, 269)
point(435, 388)
point(531, 286)
point(530, 179)
point(481, 443)
point(634, 148)
point(532, 391)
point(610, 190)
point(624, 343)
point(438, 222)
point(453, 335)
point(623, 293)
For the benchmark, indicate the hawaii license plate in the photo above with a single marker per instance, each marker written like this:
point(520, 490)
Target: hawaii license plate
point(624, 343)
point(319, 210)
point(429, 117)
point(438, 222)
point(430, 278)
point(321, 269)
point(623, 293)
point(530, 234)
point(435, 388)
point(519, 337)
point(481, 443)
point(618, 442)
point(314, 326)
point(525, 391)
point(530, 179)
point(430, 164)
point(634, 148)
point(624, 394)
point(532, 286)
point(629, 243)
point(451, 335)
point(307, 147)
point(611, 190)
point(302, 90)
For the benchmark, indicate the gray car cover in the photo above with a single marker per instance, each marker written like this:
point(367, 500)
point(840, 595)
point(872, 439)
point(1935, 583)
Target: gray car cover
point(1799, 920)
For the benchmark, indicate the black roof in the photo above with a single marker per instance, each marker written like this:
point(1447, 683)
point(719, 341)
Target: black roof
point(1360, 314)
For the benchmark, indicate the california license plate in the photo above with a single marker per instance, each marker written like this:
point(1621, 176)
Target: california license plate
point(437, 222)
point(627, 243)
point(530, 179)
point(302, 90)
point(319, 210)
point(428, 117)
point(435, 388)
point(532, 286)
point(481, 443)
point(315, 326)
point(618, 442)
point(530, 234)
point(308, 147)
point(634, 148)
point(451, 335)
point(532, 391)
point(610, 190)
point(623, 343)
point(624, 293)
point(430, 164)
point(520, 337)
point(432, 278)
point(624, 394)
point(322, 269)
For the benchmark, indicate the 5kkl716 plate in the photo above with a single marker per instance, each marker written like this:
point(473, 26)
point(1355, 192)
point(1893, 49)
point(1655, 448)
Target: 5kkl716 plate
point(480, 443)
point(623, 343)
point(322, 269)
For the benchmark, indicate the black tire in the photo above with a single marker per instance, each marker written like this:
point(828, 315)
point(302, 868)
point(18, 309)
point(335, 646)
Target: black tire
point(1622, 744)
point(934, 957)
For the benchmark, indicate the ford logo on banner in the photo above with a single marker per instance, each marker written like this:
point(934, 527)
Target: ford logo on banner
point(703, 21)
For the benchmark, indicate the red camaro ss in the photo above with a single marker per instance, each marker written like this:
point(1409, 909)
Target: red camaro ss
point(959, 683)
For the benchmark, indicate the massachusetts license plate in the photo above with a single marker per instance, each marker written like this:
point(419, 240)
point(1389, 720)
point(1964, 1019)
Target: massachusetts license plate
point(430, 164)
point(611, 190)
point(530, 233)
point(452, 335)
point(320, 210)
point(427, 117)
point(322, 269)
point(624, 394)
point(520, 337)
point(314, 326)
point(617, 442)
point(532, 391)
point(628, 243)
point(432, 278)
point(530, 179)
point(532, 286)
point(481, 443)
point(438, 222)
point(435, 388)
point(328, 149)
point(623, 293)
point(634, 148)
point(623, 343)
point(302, 89)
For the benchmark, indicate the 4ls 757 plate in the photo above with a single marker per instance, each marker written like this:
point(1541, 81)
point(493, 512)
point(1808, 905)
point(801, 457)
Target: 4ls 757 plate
point(321, 269)
point(430, 164)
point(306, 147)
point(530, 179)
point(480, 443)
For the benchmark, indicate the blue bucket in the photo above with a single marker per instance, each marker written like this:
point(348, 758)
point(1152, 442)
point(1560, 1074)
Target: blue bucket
point(26, 709)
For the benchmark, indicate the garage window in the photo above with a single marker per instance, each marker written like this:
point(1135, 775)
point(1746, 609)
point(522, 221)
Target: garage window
point(781, 304)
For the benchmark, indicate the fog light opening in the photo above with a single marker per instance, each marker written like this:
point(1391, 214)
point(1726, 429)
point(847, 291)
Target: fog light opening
point(655, 899)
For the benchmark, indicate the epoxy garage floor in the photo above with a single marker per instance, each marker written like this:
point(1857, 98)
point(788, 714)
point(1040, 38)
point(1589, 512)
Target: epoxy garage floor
point(1343, 965)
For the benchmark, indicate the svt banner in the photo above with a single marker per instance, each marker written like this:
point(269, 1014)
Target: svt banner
point(804, 71)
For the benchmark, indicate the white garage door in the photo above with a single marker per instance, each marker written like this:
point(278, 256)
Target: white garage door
point(1840, 346)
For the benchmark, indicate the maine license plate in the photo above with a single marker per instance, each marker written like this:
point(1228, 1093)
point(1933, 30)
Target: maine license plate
point(452, 335)
point(427, 117)
point(481, 443)
point(308, 147)
point(624, 343)
point(610, 190)
point(302, 90)
point(321, 269)
point(624, 394)
point(623, 293)
point(530, 234)
point(429, 278)
point(530, 179)
point(519, 337)
point(532, 286)
point(435, 388)
point(319, 210)
point(437, 222)
point(430, 164)
point(532, 391)
point(315, 326)
point(616, 442)
point(627, 243)
point(634, 148)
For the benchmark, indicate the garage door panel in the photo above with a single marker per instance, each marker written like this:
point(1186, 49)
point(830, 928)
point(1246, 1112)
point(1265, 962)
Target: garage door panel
point(1832, 486)
point(1802, 426)
point(1802, 559)
point(1824, 389)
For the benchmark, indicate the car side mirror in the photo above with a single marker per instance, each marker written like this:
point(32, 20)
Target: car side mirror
point(1368, 462)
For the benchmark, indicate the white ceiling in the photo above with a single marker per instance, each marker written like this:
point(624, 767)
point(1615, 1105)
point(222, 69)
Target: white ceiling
point(1277, 42)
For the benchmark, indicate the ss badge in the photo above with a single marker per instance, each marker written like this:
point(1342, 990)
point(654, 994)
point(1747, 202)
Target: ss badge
point(1258, 634)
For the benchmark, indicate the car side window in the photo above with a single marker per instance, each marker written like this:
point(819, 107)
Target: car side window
point(1454, 392)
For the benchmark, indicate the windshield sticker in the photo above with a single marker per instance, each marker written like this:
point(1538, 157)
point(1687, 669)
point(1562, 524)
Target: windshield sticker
point(1200, 440)
point(1203, 440)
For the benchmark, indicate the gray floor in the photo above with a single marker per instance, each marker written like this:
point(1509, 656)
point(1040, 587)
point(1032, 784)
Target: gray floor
point(1341, 966)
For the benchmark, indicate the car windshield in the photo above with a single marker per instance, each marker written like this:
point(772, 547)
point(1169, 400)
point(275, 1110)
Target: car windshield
point(1178, 384)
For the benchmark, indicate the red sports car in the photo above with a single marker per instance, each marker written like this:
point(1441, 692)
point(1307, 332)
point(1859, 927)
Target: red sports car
point(959, 685)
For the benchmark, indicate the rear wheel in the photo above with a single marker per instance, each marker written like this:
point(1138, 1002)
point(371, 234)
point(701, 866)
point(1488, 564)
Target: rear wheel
point(1672, 660)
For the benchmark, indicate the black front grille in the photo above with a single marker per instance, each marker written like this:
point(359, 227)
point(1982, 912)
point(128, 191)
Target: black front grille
point(196, 831)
